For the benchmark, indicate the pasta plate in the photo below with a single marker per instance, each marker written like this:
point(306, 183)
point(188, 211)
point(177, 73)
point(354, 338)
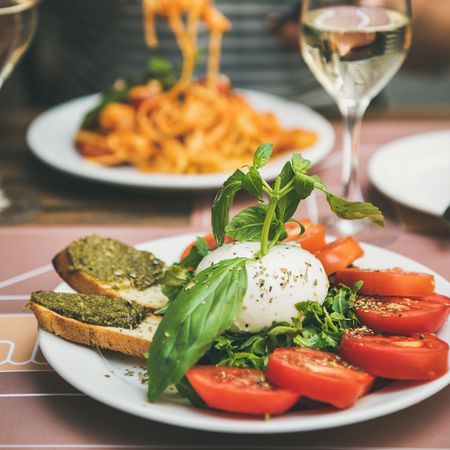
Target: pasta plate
point(50, 137)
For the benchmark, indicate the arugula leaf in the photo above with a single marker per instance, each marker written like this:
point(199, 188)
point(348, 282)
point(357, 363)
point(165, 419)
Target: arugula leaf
point(250, 350)
point(262, 155)
point(203, 310)
point(247, 225)
point(253, 183)
point(323, 326)
point(220, 210)
point(198, 251)
point(172, 281)
point(318, 326)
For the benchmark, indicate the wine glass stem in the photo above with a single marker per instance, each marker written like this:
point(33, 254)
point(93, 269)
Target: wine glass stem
point(4, 200)
point(352, 115)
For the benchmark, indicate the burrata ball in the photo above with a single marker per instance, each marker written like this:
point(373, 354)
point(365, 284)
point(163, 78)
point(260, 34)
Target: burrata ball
point(279, 280)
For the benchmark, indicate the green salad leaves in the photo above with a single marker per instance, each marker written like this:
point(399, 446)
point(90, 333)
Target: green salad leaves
point(202, 306)
point(317, 326)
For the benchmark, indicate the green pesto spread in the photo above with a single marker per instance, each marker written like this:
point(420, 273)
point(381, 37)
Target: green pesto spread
point(92, 309)
point(114, 263)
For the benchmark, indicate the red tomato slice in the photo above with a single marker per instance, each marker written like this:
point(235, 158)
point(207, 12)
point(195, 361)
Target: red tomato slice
point(209, 238)
point(339, 254)
point(400, 315)
point(435, 298)
point(239, 390)
point(419, 357)
point(318, 375)
point(394, 282)
point(312, 240)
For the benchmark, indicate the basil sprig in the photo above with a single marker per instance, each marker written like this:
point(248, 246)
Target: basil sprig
point(265, 223)
point(202, 310)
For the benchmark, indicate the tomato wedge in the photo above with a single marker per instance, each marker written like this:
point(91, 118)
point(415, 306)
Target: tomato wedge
point(419, 357)
point(312, 240)
point(339, 254)
point(395, 282)
point(435, 298)
point(318, 375)
point(400, 315)
point(239, 390)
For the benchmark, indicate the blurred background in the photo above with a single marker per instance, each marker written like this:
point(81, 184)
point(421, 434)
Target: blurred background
point(83, 46)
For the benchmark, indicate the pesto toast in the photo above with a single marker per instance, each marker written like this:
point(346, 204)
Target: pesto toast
point(97, 321)
point(104, 266)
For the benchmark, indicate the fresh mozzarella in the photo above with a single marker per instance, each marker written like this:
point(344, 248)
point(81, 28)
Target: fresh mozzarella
point(286, 275)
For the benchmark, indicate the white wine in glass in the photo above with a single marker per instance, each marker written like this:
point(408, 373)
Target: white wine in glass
point(354, 48)
point(17, 25)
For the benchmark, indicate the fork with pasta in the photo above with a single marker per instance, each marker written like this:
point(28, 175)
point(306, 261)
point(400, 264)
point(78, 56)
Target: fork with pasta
point(189, 127)
point(186, 32)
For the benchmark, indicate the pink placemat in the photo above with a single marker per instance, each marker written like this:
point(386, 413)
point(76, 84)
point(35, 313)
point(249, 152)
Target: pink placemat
point(40, 410)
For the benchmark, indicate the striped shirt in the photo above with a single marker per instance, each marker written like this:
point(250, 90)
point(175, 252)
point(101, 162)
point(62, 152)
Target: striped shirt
point(85, 45)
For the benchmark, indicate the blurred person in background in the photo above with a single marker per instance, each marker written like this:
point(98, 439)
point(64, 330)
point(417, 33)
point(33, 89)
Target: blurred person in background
point(83, 46)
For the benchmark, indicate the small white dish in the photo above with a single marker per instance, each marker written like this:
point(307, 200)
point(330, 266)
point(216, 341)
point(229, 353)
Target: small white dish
point(50, 137)
point(415, 171)
point(107, 376)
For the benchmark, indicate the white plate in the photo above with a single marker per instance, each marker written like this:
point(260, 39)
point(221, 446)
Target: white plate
point(85, 368)
point(51, 134)
point(415, 171)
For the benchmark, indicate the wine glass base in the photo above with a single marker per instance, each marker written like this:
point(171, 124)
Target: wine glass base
point(363, 230)
point(18, 205)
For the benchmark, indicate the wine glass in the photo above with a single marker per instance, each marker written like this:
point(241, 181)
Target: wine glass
point(354, 48)
point(17, 25)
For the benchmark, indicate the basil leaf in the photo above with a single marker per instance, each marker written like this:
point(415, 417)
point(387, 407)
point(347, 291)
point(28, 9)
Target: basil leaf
point(347, 209)
point(248, 224)
point(220, 210)
point(300, 164)
point(354, 210)
point(288, 204)
point(198, 251)
point(203, 310)
point(303, 185)
point(262, 155)
point(252, 183)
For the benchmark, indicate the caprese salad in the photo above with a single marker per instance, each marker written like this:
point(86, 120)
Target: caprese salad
point(262, 311)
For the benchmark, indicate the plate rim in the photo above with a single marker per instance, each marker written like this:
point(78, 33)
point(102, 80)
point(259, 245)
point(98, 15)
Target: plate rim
point(380, 155)
point(166, 181)
point(340, 418)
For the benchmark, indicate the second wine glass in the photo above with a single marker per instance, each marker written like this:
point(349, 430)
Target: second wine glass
point(354, 48)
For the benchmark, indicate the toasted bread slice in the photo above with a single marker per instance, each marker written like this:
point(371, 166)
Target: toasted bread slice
point(85, 282)
point(132, 342)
